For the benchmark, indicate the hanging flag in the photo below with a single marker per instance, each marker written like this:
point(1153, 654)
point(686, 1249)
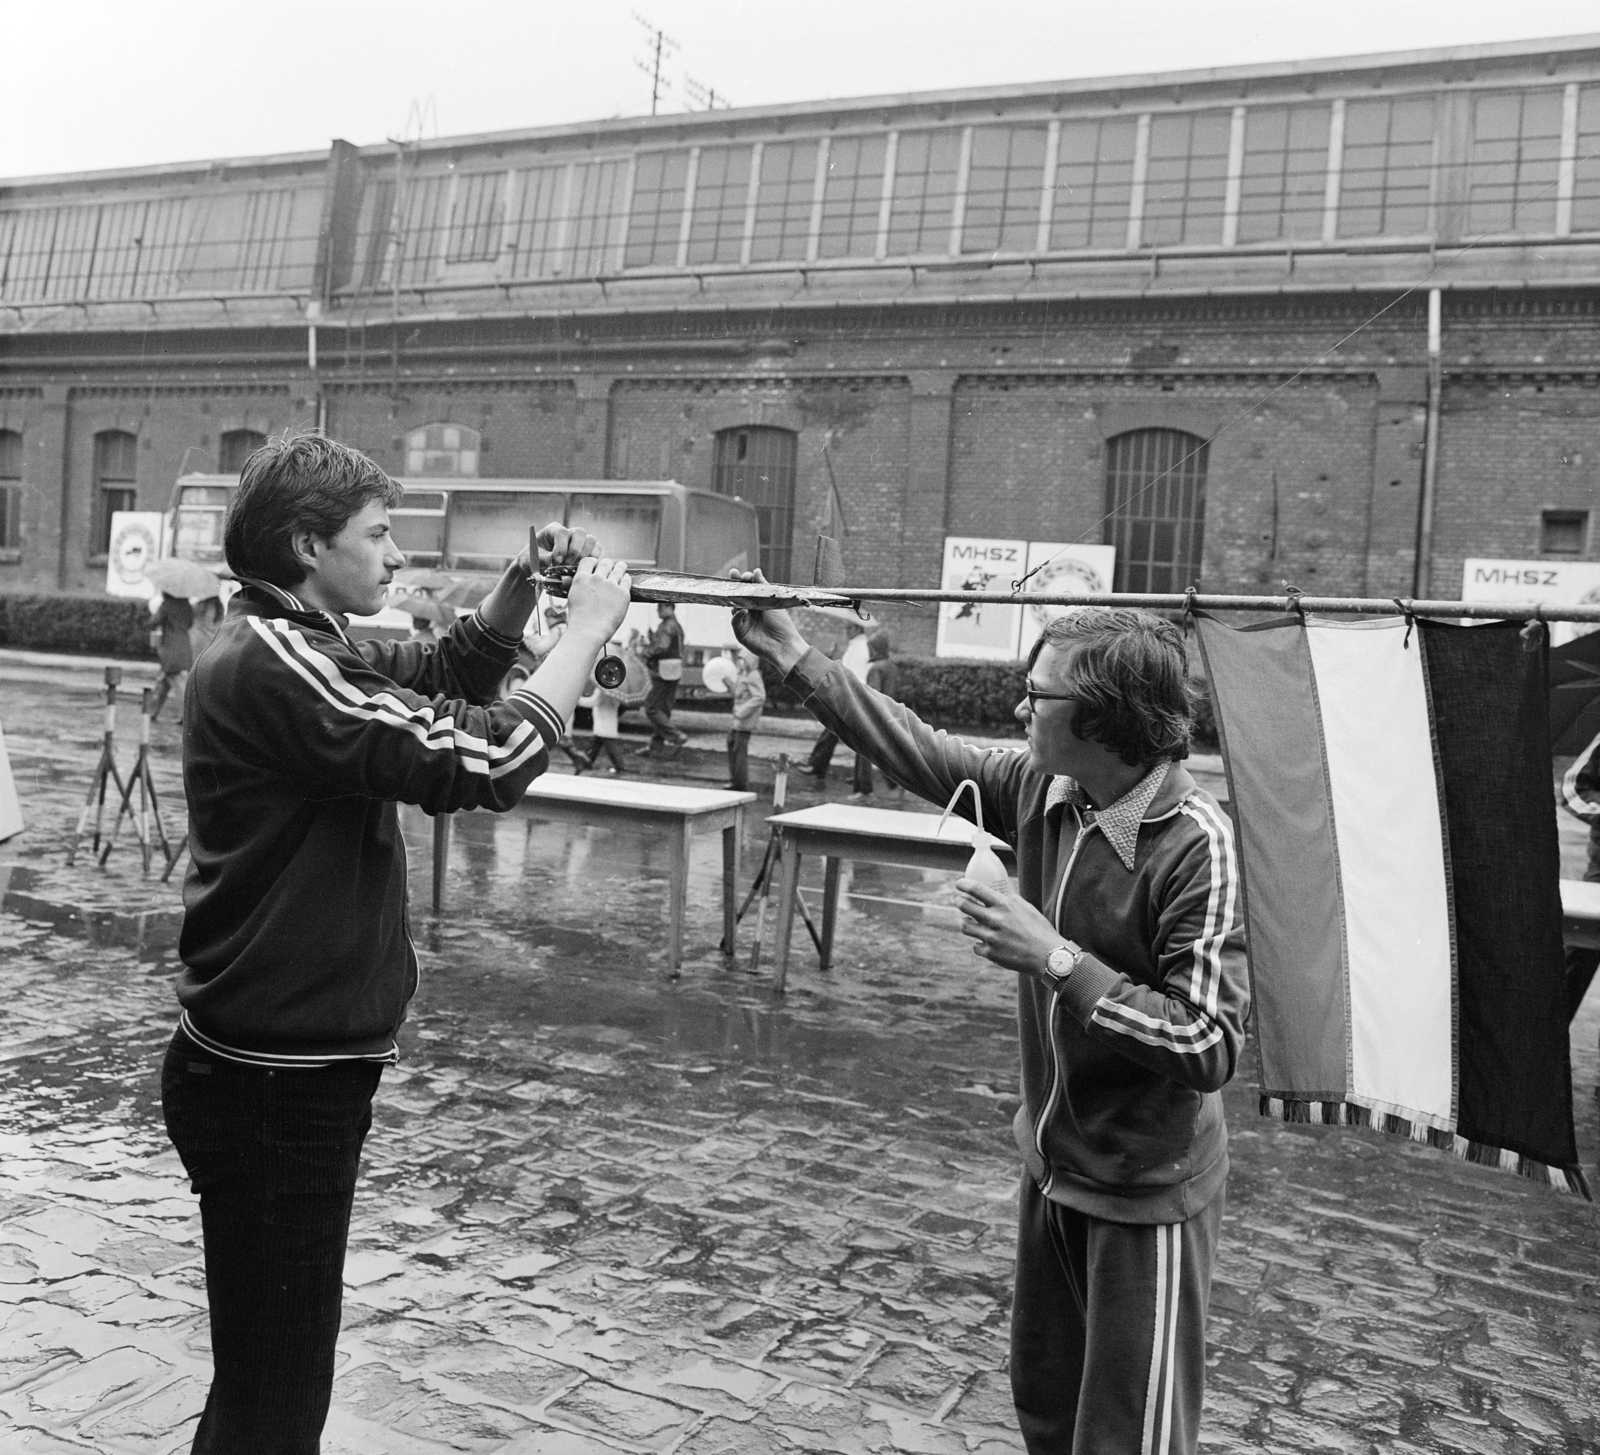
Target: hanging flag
point(1391, 786)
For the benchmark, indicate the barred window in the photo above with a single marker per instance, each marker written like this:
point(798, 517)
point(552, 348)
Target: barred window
point(1094, 183)
point(1512, 162)
point(422, 201)
point(235, 447)
point(10, 490)
point(538, 223)
point(596, 208)
point(852, 197)
point(1005, 180)
point(659, 179)
point(476, 218)
point(757, 464)
point(1386, 182)
point(116, 455)
point(1186, 182)
point(443, 449)
point(1155, 508)
point(721, 190)
point(377, 230)
point(1285, 172)
point(926, 166)
point(1586, 168)
point(783, 201)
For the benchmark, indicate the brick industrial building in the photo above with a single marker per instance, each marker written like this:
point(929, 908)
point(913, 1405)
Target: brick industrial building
point(999, 312)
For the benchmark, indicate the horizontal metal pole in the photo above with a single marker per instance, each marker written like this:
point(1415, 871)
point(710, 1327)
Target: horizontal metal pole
point(1320, 605)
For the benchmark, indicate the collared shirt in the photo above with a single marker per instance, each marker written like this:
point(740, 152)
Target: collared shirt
point(1118, 821)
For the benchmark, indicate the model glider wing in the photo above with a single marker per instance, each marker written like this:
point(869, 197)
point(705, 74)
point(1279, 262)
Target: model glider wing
point(681, 587)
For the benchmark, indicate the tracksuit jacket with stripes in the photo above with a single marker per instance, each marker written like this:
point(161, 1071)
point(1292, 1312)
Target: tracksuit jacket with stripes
point(297, 746)
point(1123, 1065)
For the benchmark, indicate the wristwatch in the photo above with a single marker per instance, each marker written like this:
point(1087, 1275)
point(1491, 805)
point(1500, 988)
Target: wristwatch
point(1062, 961)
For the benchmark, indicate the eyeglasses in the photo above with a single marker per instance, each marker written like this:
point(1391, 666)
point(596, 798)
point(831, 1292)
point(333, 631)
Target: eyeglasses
point(1035, 697)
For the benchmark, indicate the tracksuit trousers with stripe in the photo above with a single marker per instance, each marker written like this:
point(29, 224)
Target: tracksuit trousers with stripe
point(1108, 1329)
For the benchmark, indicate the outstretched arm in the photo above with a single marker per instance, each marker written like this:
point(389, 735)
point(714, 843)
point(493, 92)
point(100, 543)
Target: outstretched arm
point(926, 761)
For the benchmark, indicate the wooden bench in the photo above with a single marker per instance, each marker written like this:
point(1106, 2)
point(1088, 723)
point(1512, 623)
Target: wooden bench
point(841, 831)
point(684, 811)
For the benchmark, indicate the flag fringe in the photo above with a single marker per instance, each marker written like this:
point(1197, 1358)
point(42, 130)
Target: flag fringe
point(1353, 1114)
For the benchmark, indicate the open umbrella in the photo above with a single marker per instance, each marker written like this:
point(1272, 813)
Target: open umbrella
point(1575, 693)
point(177, 577)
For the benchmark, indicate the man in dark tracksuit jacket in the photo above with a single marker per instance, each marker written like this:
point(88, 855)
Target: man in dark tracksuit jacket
point(1128, 937)
point(297, 959)
point(1580, 792)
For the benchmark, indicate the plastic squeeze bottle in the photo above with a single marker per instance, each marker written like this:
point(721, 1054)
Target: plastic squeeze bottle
point(984, 866)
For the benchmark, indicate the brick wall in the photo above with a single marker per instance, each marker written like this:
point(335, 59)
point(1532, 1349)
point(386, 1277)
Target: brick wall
point(988, 420)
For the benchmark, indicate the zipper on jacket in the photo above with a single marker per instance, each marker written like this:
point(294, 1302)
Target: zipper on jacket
point(1057, 1077)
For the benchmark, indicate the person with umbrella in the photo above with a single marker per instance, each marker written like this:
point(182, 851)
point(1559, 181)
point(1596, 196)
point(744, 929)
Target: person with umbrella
point(169, 635)
point(178, 583)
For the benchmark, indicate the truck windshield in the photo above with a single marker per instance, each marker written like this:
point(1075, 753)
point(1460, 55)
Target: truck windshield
point(487, 528)
point(417, 525)
point(720, 536)
point(197, 530)
point(628, 527)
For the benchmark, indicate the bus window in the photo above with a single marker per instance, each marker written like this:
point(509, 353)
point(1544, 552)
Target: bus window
point(197, 530)
point(488, 528)
point(417, 525)
point(720, 537)
point(628, 527)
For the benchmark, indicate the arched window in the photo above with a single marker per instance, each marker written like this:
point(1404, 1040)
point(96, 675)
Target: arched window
point(757, 463)
point(235, 447)
point(1155, 508)
point(442, 449)
point(10, 490)
point(115, 458)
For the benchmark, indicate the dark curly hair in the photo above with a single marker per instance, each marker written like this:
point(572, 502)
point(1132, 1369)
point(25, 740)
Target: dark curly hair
point(1131, 680)
point(292, 484)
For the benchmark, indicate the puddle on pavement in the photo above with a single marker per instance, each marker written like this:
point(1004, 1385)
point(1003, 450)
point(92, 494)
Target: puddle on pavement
point(151, 934)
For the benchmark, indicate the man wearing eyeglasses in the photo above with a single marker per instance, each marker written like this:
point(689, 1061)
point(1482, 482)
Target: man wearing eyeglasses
point(1127, 940)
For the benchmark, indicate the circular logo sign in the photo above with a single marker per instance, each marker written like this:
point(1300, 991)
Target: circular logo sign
point(132, 549)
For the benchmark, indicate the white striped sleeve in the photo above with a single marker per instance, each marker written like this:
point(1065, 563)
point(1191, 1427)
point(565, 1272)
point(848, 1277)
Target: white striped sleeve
point(476, 751)
point(1572, 793)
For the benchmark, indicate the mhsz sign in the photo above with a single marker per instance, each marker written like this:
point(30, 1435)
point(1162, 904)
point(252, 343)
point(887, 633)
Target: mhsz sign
point(1003, 632)
point(1549, 583)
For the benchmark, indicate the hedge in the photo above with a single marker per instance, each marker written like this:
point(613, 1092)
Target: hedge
point(100, 626)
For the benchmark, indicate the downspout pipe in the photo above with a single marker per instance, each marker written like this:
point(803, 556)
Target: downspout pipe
point(1422, 567)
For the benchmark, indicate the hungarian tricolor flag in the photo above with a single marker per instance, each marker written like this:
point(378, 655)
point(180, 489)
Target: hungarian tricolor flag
point(1391, 786)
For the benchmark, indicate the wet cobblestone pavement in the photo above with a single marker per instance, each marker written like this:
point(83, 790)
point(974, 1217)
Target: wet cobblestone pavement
point(607, 1211)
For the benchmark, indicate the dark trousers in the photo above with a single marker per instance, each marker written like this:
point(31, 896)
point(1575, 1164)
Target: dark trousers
point(164, 686)
point(822, 753)
point(1108, 1329)
point(608, 746)
point(658, 712)
point(273, 1155)
point(739, 759)
point(1581, 963)
point(863, 781)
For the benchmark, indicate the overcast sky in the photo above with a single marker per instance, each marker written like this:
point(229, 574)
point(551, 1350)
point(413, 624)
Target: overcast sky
point(118, 83)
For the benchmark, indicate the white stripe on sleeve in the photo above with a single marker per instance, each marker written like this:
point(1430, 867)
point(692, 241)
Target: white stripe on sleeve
point(475, 753)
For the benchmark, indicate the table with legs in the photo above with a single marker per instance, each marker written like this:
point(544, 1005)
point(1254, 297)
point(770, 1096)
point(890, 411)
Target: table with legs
point(685, 812)
point(875, 835)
